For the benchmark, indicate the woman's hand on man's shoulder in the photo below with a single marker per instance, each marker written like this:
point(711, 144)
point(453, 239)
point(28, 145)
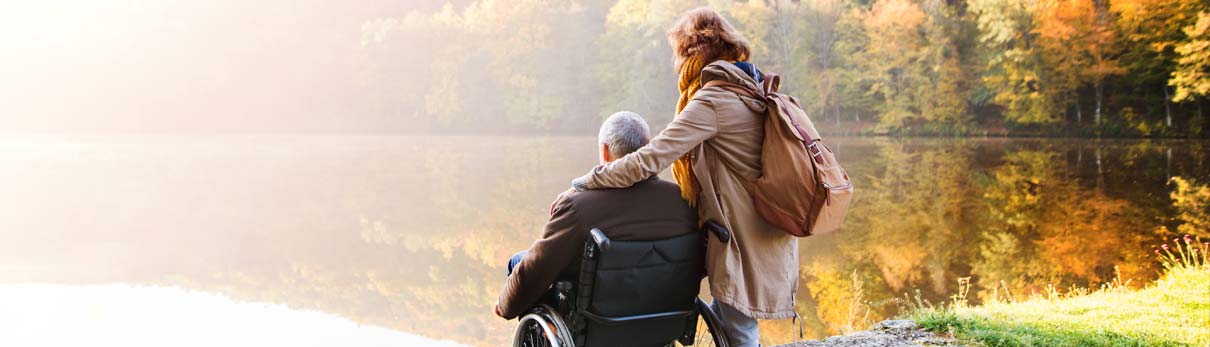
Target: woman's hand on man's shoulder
point(580, 183)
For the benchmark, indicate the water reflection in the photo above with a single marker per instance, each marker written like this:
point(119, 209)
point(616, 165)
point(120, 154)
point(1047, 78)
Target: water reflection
point(409, 233)
point(113, 315)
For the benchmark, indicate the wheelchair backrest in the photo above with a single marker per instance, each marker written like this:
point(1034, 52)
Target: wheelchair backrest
point(638, 293)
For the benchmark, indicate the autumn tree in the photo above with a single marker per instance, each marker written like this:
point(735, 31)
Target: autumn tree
point(1078, 45)
point(1192, 75)
point(1014, 72)
point(894, 59)
point(545, 65)
point(918, 203)
point(1063, 27)
point(1192, 202)
point(1101, 47)
point(946, 99)
point(816, 72)
point(1046, 228)
point(1153, 29)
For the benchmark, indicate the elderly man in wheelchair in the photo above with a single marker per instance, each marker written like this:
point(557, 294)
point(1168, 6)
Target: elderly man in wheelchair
point(614, 267)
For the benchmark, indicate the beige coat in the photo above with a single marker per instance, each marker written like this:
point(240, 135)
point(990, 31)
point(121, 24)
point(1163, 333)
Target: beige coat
point(757, 272)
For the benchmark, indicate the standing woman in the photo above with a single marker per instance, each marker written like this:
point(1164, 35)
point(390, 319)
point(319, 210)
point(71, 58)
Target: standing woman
point(713, 146)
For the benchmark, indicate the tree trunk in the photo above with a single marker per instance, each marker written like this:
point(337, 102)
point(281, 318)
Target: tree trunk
point(1100, 171)
point(1079, 114)
point(1079, 158)
point(1167, 108)
point(1100, 91)
point(1168, 166)
point(1202, 115)
point(836, 109)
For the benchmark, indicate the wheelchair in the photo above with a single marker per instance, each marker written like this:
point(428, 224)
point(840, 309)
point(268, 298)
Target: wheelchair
point(629, 293)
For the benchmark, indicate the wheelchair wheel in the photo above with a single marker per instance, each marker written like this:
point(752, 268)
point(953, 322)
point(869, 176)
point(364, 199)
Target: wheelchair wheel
point(541, 327)
point(709, 331)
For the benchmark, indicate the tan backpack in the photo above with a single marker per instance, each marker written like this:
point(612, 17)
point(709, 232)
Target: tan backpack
point(802, 189)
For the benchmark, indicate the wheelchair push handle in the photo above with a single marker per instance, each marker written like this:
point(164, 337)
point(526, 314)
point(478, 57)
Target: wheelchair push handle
point(718, 230)
point(599, 238)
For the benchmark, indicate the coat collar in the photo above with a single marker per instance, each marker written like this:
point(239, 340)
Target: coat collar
point(727, 71)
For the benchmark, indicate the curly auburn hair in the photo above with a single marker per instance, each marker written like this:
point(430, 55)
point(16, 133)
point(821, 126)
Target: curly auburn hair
point(704, 32)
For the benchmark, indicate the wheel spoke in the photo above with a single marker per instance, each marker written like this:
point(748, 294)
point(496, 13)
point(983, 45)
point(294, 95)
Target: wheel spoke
point(534, 336)
point(702, 336)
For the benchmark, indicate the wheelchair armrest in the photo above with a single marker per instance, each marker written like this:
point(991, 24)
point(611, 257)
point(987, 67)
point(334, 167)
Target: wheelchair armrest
point(599, 237)
point(718, 230)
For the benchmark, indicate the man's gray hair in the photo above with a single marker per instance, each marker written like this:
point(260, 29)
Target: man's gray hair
point(624, 132)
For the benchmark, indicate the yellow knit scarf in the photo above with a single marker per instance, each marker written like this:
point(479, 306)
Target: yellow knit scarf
point(690, 83)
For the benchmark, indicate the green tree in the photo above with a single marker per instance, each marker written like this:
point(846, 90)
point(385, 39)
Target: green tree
point(490, 65)
point(386, 63)
point(815, 74)
point(765, 25)
point(851, 87)
point(528, 47)
point(636, 61)
point(1014, 71)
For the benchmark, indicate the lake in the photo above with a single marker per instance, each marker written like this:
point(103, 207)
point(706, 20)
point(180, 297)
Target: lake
point(391, 240)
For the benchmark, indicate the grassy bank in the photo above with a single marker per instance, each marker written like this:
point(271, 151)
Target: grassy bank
point(1173, 311)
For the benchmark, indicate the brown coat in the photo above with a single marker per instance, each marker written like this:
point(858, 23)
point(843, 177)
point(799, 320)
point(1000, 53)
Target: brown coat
point(757, 272)
point(652, 209)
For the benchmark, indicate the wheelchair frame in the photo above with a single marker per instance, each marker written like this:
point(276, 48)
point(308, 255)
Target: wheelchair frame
point(547, 324)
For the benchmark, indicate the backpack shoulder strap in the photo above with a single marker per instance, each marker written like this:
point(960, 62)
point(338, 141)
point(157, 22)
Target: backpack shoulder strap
point(770, 83)
point(782, 102)
point(735, 88)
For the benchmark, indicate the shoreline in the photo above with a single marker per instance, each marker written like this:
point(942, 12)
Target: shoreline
point(888, 333)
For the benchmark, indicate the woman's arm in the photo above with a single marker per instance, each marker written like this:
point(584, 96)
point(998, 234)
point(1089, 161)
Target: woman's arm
point(696, 123)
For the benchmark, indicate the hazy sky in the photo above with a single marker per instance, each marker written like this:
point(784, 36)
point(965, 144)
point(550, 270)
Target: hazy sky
point(185, 66)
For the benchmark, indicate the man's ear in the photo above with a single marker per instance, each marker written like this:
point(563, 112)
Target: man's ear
point(605, 157)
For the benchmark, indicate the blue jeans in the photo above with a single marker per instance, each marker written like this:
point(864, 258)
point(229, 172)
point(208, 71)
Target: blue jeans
point(742, 331)
point(513, 261)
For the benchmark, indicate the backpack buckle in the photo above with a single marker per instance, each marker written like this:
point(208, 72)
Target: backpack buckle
point(815, 146)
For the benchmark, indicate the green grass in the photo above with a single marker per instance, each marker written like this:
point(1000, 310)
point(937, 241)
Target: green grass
point(1173, 311)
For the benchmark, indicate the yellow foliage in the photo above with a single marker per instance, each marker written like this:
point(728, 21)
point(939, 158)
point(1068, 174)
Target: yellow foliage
point(1192, 201)
point(1192, 76)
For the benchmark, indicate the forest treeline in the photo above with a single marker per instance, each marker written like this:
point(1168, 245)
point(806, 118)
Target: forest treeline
point(956, 67)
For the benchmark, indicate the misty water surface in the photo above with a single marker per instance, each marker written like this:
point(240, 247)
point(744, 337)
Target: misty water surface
point(409, 235)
